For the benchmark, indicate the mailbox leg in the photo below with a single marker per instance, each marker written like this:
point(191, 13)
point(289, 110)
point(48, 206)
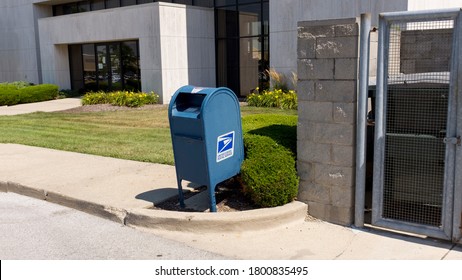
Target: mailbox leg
point(213, 203)
point(180, 193)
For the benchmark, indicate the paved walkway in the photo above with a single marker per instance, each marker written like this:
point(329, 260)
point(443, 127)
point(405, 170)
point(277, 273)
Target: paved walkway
point(125, 191)
point(46, 106)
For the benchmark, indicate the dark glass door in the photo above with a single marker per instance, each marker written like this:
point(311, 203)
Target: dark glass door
point(242, 45)
point(102, 67)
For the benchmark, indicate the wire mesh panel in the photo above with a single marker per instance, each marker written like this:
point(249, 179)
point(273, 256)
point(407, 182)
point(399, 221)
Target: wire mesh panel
point(416, 114)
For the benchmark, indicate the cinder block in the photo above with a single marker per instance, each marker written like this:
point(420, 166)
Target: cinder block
point(305, 90)
point(314, 69)
point(330, 133)
point(342, 196)
point(345, 112)
point(337, 215)
point(338, 47)
point(340, 215)
point(318, 210)
point(306, 47)
point(305, 130)
point(343, 155)
point(314, 152)
point(336, 91)
point(346, 30)
point(314, 29)
point(305, 171)
point(315, 111)
point(3, 186)
point(314, 192)
point(330, 175)
point(346, 68)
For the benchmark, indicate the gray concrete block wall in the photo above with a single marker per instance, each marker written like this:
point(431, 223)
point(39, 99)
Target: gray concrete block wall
point(327, 71)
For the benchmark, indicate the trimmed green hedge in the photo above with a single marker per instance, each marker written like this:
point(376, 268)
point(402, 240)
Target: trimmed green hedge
point(12, 93)
point(268, 173)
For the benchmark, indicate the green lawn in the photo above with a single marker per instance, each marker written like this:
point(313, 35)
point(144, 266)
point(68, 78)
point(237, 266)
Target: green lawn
point(141, 135)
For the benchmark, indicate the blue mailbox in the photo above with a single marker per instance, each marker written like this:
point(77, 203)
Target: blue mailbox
point(206, 129)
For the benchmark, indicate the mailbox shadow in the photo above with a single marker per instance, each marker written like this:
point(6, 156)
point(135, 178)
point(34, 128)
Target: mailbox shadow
point(158, 195)
point(285, 135)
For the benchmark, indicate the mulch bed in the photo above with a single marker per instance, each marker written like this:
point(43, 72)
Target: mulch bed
point(228, 195)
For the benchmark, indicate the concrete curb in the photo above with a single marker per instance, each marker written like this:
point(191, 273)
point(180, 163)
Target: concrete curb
point(259, 219)
point(107, 212)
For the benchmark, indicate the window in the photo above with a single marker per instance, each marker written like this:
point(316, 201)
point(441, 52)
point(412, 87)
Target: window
point(105, 66)
point(203, 3)
point(186, 2)
point(112, 4)
point(97, 5)
point(242, 54)
point(221, 3)
point(128, 2)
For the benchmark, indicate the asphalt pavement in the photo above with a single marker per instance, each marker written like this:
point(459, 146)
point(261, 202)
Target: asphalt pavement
point(32, 229)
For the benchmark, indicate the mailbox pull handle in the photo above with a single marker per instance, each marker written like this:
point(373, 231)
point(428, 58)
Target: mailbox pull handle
point(197, 138)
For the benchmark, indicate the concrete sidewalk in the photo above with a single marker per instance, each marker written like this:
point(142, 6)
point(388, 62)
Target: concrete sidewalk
point(45, 106)
point(125, 191)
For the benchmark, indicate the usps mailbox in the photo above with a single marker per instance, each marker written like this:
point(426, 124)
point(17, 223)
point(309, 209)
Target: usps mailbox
point(206, 129)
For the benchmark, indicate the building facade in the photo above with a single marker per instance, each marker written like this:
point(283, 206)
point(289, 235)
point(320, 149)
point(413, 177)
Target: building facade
point(159, 46)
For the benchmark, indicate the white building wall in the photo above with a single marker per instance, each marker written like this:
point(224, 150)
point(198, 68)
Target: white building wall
point(415, 5)
point(176, 43)
point(187, 36)
point(18, 47)
point(284, 16)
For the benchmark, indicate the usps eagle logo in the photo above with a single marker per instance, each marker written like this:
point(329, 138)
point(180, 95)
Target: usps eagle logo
point(225, 146)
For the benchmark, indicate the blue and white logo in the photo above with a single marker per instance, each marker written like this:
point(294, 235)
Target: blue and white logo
point(225, 146)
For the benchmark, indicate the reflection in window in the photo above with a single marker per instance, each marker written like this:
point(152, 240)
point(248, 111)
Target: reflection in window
point(186, 2)
point(105, 66)
point(84, 6)
point(112, 4)
point(250, 56)
point(127, 2)
point(130, 65)
point(97, 5)
point(226, 21)
point(203, 3)
point(247, 23)
point(219, 3)
point(249, 20)
point(89, 66)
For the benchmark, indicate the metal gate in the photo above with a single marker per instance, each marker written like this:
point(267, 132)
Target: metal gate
point(416, 122)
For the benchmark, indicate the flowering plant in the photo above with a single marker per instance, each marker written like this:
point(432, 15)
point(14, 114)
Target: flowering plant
point(273, 98)
point(120, 98)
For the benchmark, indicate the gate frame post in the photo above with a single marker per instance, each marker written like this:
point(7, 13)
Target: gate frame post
point(457, 87)
point(361, 118)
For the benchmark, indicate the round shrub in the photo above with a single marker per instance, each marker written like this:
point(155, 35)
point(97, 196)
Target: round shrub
point(268, 173)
